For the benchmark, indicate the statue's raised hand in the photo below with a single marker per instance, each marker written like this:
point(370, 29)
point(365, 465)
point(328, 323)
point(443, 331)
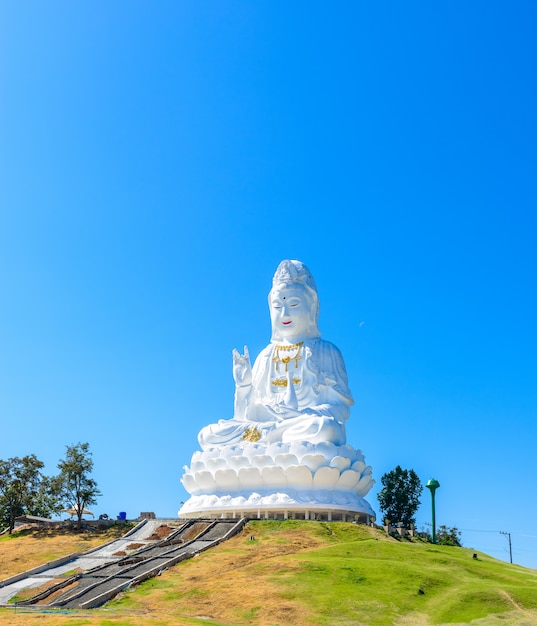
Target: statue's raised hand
point(242, 369)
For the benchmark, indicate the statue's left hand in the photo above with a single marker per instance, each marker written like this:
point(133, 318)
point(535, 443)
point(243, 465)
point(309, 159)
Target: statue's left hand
point(242, 369)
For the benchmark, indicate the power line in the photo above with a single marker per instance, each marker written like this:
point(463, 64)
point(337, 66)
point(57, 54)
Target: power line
point(508, 535)
point(502, 532)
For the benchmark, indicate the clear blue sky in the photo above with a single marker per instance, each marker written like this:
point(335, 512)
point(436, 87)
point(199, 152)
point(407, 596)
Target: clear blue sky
point(157, 161)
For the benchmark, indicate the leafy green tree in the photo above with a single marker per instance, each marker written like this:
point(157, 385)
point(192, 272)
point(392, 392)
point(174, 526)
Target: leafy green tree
point(25, 490)
point(448, 536)
point(48, 498)
point(77, 488)
point(399, 498)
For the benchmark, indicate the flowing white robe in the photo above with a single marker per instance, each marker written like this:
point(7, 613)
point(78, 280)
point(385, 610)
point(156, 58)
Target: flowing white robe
point(314, 409)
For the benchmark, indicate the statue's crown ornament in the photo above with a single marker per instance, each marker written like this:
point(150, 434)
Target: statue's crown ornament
point(289, 272)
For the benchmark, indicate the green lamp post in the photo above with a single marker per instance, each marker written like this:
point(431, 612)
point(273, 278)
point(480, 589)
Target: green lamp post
point(433, 485)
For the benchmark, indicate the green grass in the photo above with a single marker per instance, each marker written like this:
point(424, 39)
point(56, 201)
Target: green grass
point(329, 574)
point(375, 582)
point(14, 535)
point(359, 579)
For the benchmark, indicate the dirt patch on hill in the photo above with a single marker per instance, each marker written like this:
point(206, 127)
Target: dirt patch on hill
point(161, 532)
point(22, 551)
point(222, 583)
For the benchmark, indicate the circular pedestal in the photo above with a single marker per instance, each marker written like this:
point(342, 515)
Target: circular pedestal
point(275, 506)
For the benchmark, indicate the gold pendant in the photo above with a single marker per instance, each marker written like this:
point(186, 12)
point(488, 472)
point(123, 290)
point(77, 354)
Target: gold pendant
point(296, 357)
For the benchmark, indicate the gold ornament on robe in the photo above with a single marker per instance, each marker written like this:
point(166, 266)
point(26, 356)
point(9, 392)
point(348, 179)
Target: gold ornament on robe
point(251, 434)
point(283, 382)
point(290, 353)
point(278, 358)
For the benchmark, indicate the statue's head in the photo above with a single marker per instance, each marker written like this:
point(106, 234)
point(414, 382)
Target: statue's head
point(294, 303)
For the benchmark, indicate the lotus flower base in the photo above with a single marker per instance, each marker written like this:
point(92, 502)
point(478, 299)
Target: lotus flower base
point(298, 480)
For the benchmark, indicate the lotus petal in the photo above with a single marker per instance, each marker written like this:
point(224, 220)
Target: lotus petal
point(348, 479)
point(327, 449)
point(300, 448)
point(197, 466)
point(238, 500)
point(325, 478)
point(299, 477)
point(262, 460)
point(324, 496)
point(253, 449)
point(305, 497)
point(236, 462)
point(227, 479)
point(274, 449)
point(284, 460)
point(348, 452)
point(204, 480)
point(250, 478)
point(274, 477)
point(358, 466)
point(364, 485)
point(341, 463)
point(368, 471)
point(189, 483)
point(340, 497)
point(216, 464)
point(314, 461)
point(208, 454)
point(228, 451)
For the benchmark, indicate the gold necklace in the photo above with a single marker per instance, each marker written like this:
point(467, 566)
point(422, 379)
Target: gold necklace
point(296, 357)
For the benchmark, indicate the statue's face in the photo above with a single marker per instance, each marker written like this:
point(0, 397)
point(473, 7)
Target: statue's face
point(290, 312)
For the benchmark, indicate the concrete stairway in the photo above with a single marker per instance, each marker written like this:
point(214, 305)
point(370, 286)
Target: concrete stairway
point(95, 587)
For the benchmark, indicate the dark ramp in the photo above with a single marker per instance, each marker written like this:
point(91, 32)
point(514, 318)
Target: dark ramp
point(101, 584)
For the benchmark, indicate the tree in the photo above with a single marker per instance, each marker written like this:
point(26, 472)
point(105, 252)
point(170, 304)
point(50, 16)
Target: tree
point(77, 488)
point(24, 489)
point(400, 497)
point(448, 536)
point(48, 499)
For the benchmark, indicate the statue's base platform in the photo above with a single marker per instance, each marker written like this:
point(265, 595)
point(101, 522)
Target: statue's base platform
point(317, 506)
point(297, 480)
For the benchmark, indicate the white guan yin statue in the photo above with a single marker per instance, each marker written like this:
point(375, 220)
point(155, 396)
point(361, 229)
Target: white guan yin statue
point(284, 452)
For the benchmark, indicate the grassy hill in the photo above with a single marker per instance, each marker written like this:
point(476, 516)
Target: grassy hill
point(309, 573)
